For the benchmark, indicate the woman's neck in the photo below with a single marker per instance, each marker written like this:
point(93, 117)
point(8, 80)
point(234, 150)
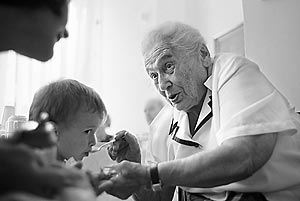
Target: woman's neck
point(194, 112)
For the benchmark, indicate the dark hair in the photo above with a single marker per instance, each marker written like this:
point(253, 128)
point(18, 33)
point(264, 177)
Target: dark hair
point(63, 98)
point(54, 5)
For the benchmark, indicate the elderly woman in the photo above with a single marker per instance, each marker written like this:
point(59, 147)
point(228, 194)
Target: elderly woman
point(233, 136)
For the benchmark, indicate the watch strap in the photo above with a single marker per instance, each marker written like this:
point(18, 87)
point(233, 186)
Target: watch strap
point(155, 180)
point(154, 174)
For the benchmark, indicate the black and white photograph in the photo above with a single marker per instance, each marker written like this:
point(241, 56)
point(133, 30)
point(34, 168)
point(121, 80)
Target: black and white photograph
point(149, 100)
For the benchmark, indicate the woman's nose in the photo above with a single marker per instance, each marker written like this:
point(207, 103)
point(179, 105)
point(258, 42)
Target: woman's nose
point(92, 140)
point(164, 83)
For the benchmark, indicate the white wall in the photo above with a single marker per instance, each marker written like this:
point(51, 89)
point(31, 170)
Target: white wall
point(272, 40)
point(126, 86)
point(216, 17)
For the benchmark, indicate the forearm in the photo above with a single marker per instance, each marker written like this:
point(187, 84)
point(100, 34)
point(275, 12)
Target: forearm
point(234, 160)
point(148, 195)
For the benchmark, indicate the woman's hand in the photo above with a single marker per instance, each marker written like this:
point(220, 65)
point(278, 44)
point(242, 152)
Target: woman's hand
point(126, 147)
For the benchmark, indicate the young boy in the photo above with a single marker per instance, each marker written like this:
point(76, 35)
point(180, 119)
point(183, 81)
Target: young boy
point(76, 110)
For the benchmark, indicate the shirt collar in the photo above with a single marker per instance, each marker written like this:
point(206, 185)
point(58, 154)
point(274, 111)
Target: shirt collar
point(208, 83)
point(206, 109)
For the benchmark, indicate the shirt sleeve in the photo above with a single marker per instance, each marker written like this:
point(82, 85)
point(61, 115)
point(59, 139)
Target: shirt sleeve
point(249, 104)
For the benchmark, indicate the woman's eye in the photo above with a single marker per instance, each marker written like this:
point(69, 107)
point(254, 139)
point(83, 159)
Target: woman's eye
point(153, 76)
point(88, 131)
point(169, 67)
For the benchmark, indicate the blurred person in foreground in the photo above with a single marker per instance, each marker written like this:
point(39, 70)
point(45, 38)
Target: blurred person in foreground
point(232, 136)
point(31, 28)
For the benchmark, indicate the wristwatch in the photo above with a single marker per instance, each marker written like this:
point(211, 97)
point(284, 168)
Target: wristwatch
point(155, 180)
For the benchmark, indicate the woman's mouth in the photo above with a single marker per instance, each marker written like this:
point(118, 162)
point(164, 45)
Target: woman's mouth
point(174, 98)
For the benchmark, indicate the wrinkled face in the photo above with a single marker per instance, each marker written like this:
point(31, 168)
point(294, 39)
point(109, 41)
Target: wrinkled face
point(151, 110)
point(179, 79)
point(46, 28)
point(77, 139)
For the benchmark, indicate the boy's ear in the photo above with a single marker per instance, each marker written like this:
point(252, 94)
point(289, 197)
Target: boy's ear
point(55, 128)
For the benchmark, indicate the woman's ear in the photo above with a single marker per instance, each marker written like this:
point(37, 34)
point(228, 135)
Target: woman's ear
point(206, 60)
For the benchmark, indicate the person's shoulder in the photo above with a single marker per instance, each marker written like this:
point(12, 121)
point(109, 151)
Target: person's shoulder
point(225, 58)
point(230, 62)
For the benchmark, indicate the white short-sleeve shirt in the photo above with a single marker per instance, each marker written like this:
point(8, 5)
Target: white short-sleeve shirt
point(244, 103)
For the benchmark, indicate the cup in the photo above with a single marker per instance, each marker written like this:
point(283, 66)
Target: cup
point(13, 123)
point(7, 112)
point(2, 134)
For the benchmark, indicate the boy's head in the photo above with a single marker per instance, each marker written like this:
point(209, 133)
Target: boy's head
point(77, 111)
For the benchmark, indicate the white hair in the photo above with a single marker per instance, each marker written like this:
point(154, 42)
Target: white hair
point(181, 39)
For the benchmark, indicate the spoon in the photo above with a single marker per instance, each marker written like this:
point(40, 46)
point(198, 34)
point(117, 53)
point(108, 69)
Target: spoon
point(116, 138)
point(96, 149)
